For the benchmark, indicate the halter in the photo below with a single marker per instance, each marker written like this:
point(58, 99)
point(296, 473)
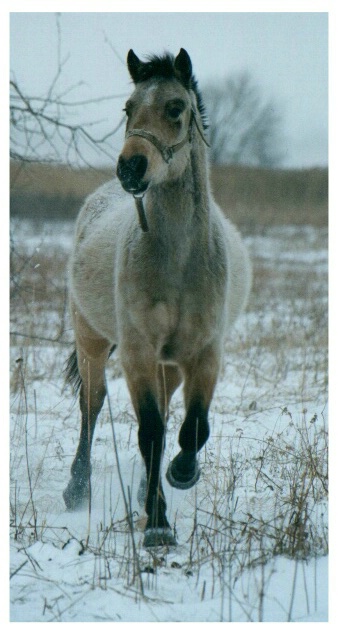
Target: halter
point(167, 152)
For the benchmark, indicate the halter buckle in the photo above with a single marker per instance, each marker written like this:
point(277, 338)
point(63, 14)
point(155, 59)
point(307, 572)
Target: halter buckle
point(167, 153)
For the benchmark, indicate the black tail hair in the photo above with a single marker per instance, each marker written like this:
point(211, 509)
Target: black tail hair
point(72, 374)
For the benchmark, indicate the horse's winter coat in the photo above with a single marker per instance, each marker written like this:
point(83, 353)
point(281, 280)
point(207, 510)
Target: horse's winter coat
point(166, 295)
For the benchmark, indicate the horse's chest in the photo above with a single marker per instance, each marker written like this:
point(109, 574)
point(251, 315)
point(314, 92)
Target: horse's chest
point(174, 323)
point(175, 302)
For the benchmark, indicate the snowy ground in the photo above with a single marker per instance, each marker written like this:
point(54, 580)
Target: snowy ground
point(252, 534)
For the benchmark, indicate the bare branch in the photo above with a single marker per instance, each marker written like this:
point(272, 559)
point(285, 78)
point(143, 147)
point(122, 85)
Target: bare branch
point(43, 128)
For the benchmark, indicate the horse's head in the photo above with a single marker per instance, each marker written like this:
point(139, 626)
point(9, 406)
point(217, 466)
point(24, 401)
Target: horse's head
point(160, 113)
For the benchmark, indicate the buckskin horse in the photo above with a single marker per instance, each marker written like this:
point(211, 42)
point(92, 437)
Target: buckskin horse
point(158, 272)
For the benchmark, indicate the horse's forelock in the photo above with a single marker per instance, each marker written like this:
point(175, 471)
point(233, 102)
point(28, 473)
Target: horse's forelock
point(159, 67)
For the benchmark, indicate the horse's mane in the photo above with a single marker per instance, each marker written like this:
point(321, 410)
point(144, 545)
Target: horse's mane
point(162, 67)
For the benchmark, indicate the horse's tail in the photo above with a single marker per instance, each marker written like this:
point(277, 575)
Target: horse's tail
point(72, 374)
point(71, 370)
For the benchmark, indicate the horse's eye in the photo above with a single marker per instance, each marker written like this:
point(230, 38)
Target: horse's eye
point(174, 112)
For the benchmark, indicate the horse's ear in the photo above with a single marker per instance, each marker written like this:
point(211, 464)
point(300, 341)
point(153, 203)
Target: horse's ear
point(134, 66)
point(183, 66)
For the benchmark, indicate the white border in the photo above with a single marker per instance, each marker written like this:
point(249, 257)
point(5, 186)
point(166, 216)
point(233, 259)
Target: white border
point(236, 6)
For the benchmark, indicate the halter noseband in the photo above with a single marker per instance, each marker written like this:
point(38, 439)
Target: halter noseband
point(167, 152)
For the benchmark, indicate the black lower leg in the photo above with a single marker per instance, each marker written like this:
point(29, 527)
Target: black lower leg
point(151, 442)
point(78, 487)
point(195, 428)
point(183, 471)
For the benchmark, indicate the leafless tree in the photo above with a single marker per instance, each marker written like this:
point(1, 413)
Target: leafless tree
point(45, 128)
point(243, 127)
point(50, 127)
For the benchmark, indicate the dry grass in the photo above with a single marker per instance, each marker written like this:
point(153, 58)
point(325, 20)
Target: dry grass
point(249, 196)
point(56, 179)
point(265, 197)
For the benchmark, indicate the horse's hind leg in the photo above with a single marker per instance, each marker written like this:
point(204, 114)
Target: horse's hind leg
point(200, 380)
point(92, 353)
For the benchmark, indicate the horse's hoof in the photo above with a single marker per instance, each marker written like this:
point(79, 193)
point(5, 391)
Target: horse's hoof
point(75, 495)
point(179, 479)
point(157, 537)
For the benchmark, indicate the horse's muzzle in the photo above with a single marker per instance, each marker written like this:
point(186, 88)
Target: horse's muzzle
point(131, 172)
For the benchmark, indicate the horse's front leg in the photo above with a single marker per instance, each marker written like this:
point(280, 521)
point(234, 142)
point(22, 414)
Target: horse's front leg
point(200, 381)
point(141, 373)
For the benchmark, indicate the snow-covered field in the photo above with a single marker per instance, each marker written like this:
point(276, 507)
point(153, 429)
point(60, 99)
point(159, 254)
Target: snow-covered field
point(252, 534)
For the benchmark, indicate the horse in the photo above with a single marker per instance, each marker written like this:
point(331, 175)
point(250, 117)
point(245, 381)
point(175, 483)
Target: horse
point(158, 272)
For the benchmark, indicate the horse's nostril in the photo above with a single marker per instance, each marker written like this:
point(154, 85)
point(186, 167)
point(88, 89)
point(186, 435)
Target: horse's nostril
point(134, 167)
point(120, 168)
point(138, 164)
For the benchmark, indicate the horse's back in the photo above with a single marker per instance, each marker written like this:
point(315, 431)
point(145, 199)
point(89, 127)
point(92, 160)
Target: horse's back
point(238, 266)
point(92, 266)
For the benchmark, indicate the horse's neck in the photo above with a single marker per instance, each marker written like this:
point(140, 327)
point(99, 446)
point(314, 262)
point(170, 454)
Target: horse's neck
point(200, 176)
point(176, 207)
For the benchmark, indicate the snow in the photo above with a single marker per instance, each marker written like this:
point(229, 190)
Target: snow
point(61, 585)
point(235, 560)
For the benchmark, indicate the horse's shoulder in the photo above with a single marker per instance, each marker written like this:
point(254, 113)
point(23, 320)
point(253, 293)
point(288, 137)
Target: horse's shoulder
point(102, 207)
point(103, 197)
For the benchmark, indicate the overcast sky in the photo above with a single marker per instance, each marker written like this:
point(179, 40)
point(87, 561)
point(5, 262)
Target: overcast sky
point(286, 53)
